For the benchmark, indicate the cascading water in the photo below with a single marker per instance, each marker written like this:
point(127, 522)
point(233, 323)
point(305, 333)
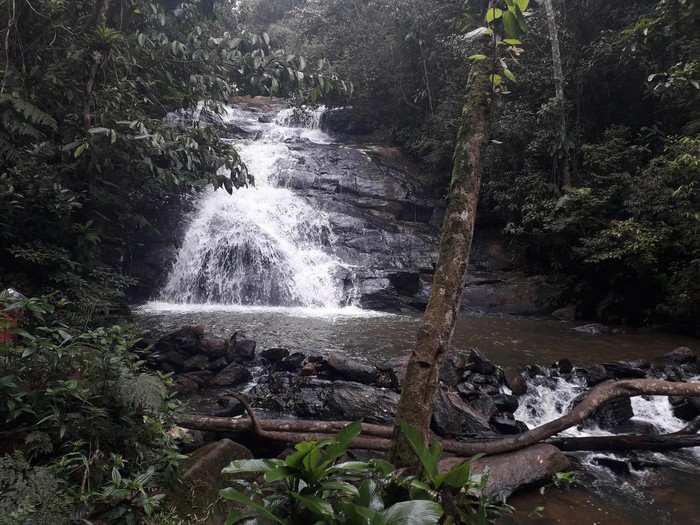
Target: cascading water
point(263, 245)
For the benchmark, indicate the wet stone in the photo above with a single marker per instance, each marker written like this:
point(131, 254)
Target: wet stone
point(274, 354)
point(515, 381)
point(233, 375)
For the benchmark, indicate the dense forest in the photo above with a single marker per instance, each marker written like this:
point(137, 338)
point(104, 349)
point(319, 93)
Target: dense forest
point(592, 174)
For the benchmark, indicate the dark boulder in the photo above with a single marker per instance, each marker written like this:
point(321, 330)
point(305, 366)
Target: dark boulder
point(185, 339)
point(352, 370)
point(233, 375)
point(611, 414)
point(351, 401)
point(230, 407)
point(515, 381)
point(240, 348)
point(452, 417)
point(291, 363)
point(485, 405)
point(453, 370)
point(563, 366)
point(396, 369)
point(624, 370)
point(481, 364)
point(213, 346)
point(274, 354)
point(196, 362)
point(685, 408)
point(506, 403)
point(682, 354)
point(504, 425)
point(345, 121)
point(594, 375)
point(176, 360)
point(184, 385)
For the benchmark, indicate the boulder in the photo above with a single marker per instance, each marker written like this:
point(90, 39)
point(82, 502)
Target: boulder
point(198, 494)
point(452, 417)
point(563, 366)
point(230, 407)
point(291, 363)
point(685, 408)
point(515, 381)
point(185, 385)
point(505, 403)
point(233, 375)
point(352, 401)
point(453, 370)
point(507, 426)
point(240, 348)
point(481, 364)
point(196, 362)
point(567, 313)
point(515, 470)
point(594, 375)
point(611, 414)
point(622, 370)
point(186, 339)
point(682, 354)
point(213, 346)
point(345, 121)
point(274, 354)
point(485, 405)
point(592, 329)
point(396, 368)
point(352, 370)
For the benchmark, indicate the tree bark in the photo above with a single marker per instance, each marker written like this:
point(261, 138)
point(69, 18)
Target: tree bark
point(375, 437)
point(558, 89)
point(434, 336)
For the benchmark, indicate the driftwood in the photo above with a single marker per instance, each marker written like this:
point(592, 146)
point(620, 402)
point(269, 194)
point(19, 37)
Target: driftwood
point(377, 437)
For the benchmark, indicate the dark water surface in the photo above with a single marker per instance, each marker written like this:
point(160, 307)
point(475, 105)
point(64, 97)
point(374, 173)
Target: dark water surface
point(374, 336)
point(661, 496)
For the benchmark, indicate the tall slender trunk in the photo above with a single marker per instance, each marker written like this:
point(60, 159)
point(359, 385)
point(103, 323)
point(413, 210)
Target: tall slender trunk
point(433, 340)
point(558, 89)
point(100, 21)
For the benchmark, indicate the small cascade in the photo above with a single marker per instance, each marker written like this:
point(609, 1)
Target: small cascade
point(263, 245)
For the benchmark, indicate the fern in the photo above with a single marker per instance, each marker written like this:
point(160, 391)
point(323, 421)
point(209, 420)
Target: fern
point(29, 111)
point(143, 391)
point(30, 495)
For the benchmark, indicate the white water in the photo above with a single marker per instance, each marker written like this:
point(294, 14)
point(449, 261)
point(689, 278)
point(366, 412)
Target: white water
point(263, 245)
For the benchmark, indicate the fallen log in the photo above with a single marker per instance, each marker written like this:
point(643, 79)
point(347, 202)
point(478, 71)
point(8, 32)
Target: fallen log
point(376, 437)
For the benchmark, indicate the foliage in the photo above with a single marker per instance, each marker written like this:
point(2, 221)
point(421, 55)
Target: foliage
point(311, 485)
point(87, 157)
point(84, 426)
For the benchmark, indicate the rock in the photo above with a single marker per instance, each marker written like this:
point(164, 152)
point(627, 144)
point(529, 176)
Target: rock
point(592, 329)
point(453, 369)
point(233, 375)
point(567, 313)
point(485, 405)
point(352, 370)
point(481, 364)
point(218, 364)
point(612, 414)
point(353, 401)
point(196, 362)
point(201, 377)
point(396, 368)
point(198, 494)
point(309, 369)
point(685, 408)
point(632, 426)
point(454, 417)
point(241, 349)
point(512, 471)
point(345, 121)
point(185, 339)
point(291, 363)
point(618, 466)
point(515, 381)
point(643, 364)
point(507, 426)
point(176, 360)
point(536, 371)
point(682, 354)
point(594, 375)
point(624, 370)
point(230, 406)
point(184, 385)
point(505, 403)
point(563, 366)
point(274, 354)
point(213, 346)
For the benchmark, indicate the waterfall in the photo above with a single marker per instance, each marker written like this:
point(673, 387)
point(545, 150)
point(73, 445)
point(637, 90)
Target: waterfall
point(263, 245)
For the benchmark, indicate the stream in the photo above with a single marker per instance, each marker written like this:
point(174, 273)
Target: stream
point(289, 265)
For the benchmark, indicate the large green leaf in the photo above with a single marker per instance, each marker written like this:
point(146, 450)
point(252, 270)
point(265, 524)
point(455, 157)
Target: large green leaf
point(234, 495)
point(510, 24)
point(315, 504)
point(409, 513)
point(338, 445)
point(251, 465)
point(415, 438)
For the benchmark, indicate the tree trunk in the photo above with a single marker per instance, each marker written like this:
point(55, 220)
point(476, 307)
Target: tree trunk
point(433, 340)
point(558, 90)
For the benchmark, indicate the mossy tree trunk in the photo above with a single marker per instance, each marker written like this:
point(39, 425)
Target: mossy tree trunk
point(433, 340)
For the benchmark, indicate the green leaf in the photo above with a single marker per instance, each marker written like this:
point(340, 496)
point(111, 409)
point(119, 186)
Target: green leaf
point(80, 150)
point(478, 57)
point(415, 438)
point(510, 76)
point(493, 14)
point(315, 504)
point(495, 80)
point(141, 39)
point(338, 445)
point(234, 495)
point(522, 4)
point(116, 476)
point(512, 41)
point(251, 465)
point(510, 24)
point(409, 513)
